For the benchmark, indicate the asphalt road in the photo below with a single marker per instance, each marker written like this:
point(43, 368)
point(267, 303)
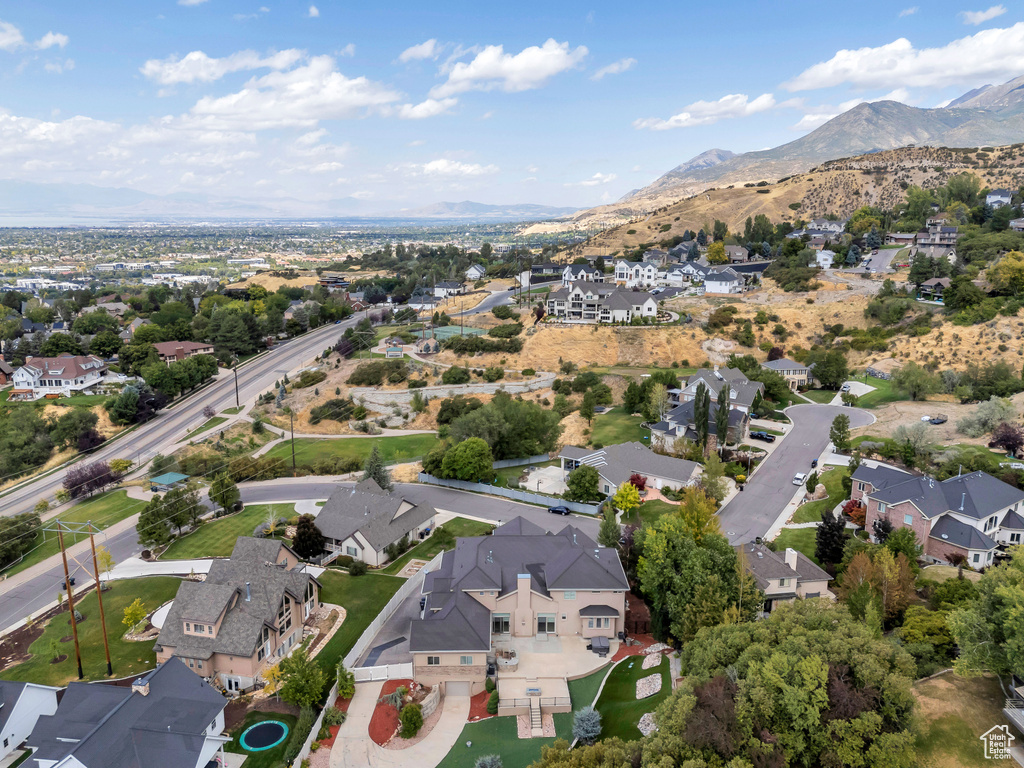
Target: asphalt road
point(500, 297)
point(19, 602)
point(170, 425)
point(751, 513)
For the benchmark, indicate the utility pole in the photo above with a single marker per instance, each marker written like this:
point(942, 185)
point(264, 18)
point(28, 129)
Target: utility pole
point(291, 416)
point(71, 599)
point(99, 596)
point(235, 369)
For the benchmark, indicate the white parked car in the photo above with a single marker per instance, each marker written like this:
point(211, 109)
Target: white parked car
point(845, 387)
point(799, 478)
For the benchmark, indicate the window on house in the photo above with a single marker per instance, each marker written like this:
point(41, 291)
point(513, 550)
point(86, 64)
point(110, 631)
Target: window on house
point(977, 558)
point(1015, 538)
point(188, 627)
point(784, 582)
point(908, 519)
point(881, 508)
point(192, 664)
point(209, 629)
point(590, 623)
point(570, 594)
point(199, 664)
point(433, 661)
point(466, 661)
point(351, 551)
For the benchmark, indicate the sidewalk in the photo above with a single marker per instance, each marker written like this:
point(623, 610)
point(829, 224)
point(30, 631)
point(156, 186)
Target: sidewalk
point(353, 747)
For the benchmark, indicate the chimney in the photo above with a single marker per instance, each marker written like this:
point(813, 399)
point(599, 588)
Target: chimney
point(790, 557)
point(248, 594)
point(141, 687)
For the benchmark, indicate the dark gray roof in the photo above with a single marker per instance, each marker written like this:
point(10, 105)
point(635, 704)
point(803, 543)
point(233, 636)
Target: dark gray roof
point(253, 561)
point(617, 462)
point(976, 495)
point(568, 560)
point(683, 415)
point(1012, 520)
point(948, 529)
point(881, 476)
point(766, 565)
point(598, 610)
point(742, 389)
point(449, 284)
point(382, 518)
point(784, 364)
point(10, 692)
point(114, 727)
point(624, 299)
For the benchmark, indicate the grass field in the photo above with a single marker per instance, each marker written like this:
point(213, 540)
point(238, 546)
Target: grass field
point(393, 449)
point(824, 396)
point(953, 712)
point(620, 709)
point(216, 538)
point(800, 539)
point(617, 426)
point(833, 482)
point(78, 401)
point(650, 511)
point(426, 549)
point(127, 658)
point(103, 510)
point(213, 423)
point(269, 758)
point(498, 735)
point(363, 597)
point(883, 393)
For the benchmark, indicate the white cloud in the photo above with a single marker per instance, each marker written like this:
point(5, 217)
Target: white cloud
point(909, 11)
point(417, 143)
point(813, 120)
point(348, 50)
point(707, 112)
point(427, 108)
point(255, 15)
point(314, 12)
point(191, 2)
point(198, 67)
point(298, 97)
point(615, 68)
point(986, 55)
point(593, 181)
point(51, 39)
point(445, 167)
point(59, 67)
point(980, 17)
point(493, 68)
point(426, 50)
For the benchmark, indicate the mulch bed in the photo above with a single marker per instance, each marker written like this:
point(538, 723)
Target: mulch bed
point(634, 650)
point(343, 705)
point(478, 707)
point(237, 709)
point(14, 647)
point(384, 722)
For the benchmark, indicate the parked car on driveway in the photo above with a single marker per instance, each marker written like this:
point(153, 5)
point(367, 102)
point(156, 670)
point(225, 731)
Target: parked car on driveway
point(939, 419)
point(559, 510)
point(799, 478)
point(845, 387)
point(762, 436)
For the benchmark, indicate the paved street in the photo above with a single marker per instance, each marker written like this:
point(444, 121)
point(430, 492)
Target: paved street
point(169, 426)
point(501, 297)
point(751, 513)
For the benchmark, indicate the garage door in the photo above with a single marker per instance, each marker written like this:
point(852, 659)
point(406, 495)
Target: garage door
point(456, 689)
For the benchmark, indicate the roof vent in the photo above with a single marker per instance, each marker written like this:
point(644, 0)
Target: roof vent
point(490, 556)
point(760, 555)
point(248, 593)
point(963, 496)
point(931, 483)
point(944, 536)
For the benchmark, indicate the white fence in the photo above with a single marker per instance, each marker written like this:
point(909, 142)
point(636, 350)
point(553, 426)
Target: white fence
point(383, 672)
point(510, 493)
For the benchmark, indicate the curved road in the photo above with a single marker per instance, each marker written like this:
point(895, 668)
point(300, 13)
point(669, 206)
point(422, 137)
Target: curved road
point(750, 514)
point(254, 378)
point(501, 297)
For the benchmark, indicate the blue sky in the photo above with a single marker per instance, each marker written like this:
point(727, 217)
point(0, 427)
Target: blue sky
point(407, 104)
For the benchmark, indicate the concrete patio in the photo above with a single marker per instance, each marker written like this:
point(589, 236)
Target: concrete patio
point(561, 657)
point(549, 480)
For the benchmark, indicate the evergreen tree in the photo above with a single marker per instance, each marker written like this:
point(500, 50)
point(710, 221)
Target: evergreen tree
point(839, 433)
point(920, 268)
point(587, 406)
point(830, 538)
point(224, 492)
point(609, 533)
point(308, 541)
point(701, 413)
point(633, 399)
point(152, 528)
point(722, 417)
point(375, 470)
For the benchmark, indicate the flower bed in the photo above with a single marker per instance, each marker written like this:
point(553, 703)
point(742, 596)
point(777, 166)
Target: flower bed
point(384, 722)
point(478, 707)
point(343, 705)
point(648, 686)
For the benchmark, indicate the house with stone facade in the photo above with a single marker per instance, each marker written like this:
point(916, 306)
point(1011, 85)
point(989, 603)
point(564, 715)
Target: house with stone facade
point(518, 585)
point(591, 302)
point(248, 613)
point(974, 514)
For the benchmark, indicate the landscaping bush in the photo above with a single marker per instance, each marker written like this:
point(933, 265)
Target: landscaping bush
point(455, 375)
point(529, 372)
point(307, 719)
point(494, 373)
point(470, 345)
point(334, 465)
point(336, 409)
point(489, 685)
point(504, 312)
point(309, 378)
point(492, 703)
point(411, 718)
point(586, 725)
point(488, 761)
point(358, 568)
point(417, 383)
point(334, 716)
point(505, 331)
point(378, 372)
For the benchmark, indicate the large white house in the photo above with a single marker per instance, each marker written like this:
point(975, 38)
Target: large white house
point(57, 376)
point(723, 280)
point(636, 274)
point(576, 272)
point(600, 303)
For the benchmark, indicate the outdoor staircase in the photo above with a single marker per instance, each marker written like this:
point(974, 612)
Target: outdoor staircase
point(536, 724)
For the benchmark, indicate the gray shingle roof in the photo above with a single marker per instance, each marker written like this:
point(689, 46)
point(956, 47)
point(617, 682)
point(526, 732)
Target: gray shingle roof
point(742, 389)
point(976, 495)
point(254, 561)
point(881, 476)
point(684, 415)
point(382, 518)
point(948, 529)
point(114, 727)
point(617, 462)
point(784, 364)
point(598, 610)
point(766, 565)
point(568, 560)
point(1013, 521)
point(10, 692)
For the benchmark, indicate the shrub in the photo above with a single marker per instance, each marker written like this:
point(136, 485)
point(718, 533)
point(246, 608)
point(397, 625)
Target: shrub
point(529, 372)
point(504, 312)
point(378, 372)
point(489, 685)
point(358, 568)
point(307, 719)
point(492, 703)
point(335, 409)
point(470, 345)
point(586, 725)
point(309, 378)
point(505, 331)
point(334, 716)
point(488, 761)
point(411, 718)
point(494, 373)
point(417, 383)
point(346, 682)
point(455, 375)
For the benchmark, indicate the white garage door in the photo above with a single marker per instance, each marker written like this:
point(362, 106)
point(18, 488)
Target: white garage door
point(456, 689)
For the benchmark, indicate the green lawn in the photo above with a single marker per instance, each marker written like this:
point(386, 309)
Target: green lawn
point(216, 421)
point(103, 510)
point(216, 538)
point(270, 758)
point(800, 539)
point(426, 549)
point(393, 449)
point(631, 370)
point(833, 481)
point(128, 658)
point(824, 396)
point(363, 597)
point(883, 393)
point(617, 426)
point(649, 511)
point(956, 712)
point(80, 401)
point(620, 709)
point(231, 411)
point(498, 735)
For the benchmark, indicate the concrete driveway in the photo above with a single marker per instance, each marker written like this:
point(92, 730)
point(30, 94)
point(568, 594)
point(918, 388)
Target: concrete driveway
point(751, 513)
point(391, 645)
point(858, 388)
point(355, 749)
